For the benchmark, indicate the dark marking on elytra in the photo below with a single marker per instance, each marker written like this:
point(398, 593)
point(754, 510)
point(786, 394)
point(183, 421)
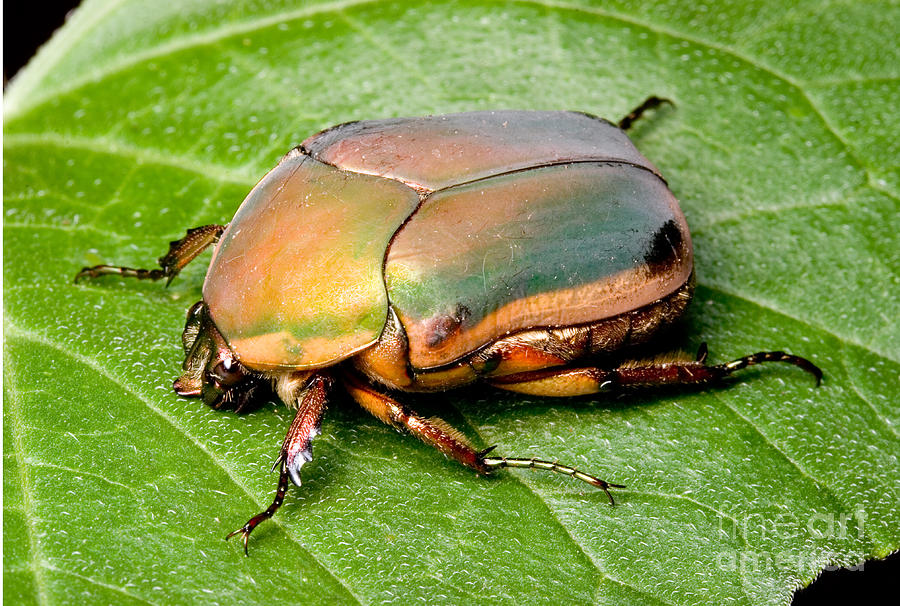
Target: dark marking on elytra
point(443, 327)
point(665, 248)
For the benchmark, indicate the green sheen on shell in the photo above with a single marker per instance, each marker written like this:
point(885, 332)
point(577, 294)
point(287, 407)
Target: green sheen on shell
point(471, 226)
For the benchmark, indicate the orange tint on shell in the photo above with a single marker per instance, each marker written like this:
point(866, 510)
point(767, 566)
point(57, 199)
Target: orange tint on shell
point(296, 280)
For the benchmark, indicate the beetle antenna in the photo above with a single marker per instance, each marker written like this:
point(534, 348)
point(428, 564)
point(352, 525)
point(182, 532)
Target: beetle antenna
point(772, 356)
point(498, 462)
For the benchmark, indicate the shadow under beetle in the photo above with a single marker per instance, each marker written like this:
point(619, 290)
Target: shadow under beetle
point(423, 254)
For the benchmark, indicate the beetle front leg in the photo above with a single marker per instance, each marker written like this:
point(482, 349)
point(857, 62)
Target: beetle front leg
point(181, 252)
point(673, 370)
point(449, 441)
point(311, 395)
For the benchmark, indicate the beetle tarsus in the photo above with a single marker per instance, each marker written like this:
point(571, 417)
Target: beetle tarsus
point(702, 352)
point(125, 272)
point(499, 462)
point(772, 356)
point(253, 522)
point(635, 114)
point(246, 529)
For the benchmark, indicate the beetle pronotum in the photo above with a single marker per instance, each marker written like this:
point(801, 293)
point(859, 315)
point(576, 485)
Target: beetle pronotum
point(522, 249)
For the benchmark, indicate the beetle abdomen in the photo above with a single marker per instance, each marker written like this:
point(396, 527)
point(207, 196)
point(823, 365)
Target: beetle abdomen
point(551, 246)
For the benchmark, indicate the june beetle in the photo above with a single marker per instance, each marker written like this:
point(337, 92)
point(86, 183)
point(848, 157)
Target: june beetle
point(523, 249)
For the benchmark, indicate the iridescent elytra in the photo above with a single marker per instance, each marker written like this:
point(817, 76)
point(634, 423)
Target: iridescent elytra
point(529, 250)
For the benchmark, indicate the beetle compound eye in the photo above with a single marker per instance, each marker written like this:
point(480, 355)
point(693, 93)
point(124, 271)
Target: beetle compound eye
point(228, 373)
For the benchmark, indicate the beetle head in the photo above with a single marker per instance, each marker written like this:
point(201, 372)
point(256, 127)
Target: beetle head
point(212, 371)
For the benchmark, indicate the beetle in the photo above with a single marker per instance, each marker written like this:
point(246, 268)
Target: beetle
point(530, 250)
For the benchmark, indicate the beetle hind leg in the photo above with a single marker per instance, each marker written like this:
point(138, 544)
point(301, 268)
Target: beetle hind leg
point(655, 372)
point(771, 356)
point(181, 252)
point(449, 441)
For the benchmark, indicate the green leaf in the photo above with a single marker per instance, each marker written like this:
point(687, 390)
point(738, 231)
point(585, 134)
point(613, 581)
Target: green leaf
point(140, 119)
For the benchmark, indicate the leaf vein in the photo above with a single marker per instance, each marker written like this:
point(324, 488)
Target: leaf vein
point(81, 472)
point(850, 380)
point(101, 145)
point(27, 505)
point(755, 62)
point(790, 460)
point(598, 565)
point(179, 44)
point(804, 321)
point(28, 335)
point(98, 583)
point(410, 68)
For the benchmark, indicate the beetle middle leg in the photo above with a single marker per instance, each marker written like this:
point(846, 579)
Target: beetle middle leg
point(181, 252)
point(448, 440)
point(654, 372)
point(634, 115)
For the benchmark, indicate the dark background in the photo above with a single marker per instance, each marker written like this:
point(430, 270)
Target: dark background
point(27, 25)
